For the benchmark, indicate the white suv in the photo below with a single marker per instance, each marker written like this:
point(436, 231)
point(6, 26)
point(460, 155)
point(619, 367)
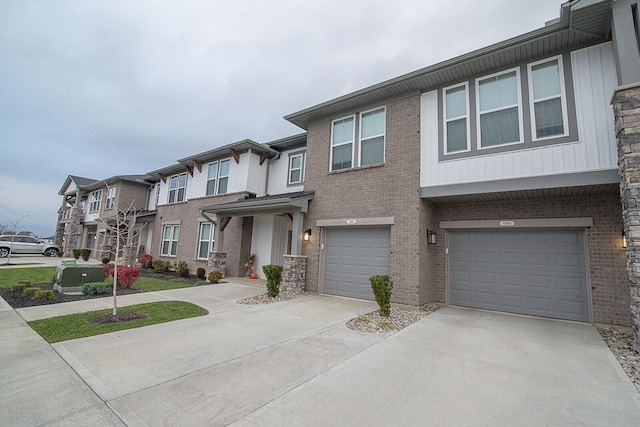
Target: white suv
point(26, 245)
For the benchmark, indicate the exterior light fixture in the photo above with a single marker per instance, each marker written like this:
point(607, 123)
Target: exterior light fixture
point(624, 239)
point(307, 235)
point(431, 237)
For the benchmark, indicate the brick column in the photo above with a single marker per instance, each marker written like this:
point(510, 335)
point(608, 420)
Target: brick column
point(626, 108)
point(218, 262)
point(294, 274)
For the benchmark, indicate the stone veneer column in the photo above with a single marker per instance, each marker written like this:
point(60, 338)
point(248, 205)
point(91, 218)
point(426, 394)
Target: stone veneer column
point(294, 274)
point(626, 108)
point(218, 262)
point(72, 231)
point(59, 236)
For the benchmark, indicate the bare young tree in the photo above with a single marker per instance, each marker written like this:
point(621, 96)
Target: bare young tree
point(13, 235)
point(123, 228)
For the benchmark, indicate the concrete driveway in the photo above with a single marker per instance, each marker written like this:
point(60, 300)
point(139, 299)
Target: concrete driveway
point(296, 363)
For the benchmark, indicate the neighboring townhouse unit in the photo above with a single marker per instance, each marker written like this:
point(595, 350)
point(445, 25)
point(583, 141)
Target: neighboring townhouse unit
point(489, 180)
point(87, 203)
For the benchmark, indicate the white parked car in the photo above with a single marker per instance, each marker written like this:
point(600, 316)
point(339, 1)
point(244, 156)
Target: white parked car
point(26, 245)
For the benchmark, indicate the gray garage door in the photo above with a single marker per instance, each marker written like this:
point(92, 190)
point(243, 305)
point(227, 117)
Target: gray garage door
point(352, 255)
point(541, 273)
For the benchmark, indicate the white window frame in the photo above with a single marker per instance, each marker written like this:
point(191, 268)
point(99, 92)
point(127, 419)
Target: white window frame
point(210, 239)
point(453, 119)
point(111, 198)
point(291, 169)
point(216, 187)
point(518, 105)
point(383, 135)
point(94, 201)
point(220, 176)
point(177, 189)
point(562, 96)
point(352, 142)
point(170, 240)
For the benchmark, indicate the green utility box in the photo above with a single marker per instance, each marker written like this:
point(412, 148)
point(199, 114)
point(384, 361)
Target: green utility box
point(70, 278)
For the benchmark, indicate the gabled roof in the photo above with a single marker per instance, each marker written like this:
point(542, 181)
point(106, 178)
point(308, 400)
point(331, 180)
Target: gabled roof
point(136, 179)
point(80, 182)
point(581, 23)
point(289, 142)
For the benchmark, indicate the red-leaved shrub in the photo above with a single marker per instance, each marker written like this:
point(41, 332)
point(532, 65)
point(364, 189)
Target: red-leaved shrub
point(145, 260)
point(127, 276)
point(107, 271)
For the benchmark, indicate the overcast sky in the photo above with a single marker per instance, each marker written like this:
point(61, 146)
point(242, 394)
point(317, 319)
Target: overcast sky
point(101, 88)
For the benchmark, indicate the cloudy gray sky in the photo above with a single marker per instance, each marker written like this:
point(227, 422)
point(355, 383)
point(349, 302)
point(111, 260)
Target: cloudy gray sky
point(100, 88)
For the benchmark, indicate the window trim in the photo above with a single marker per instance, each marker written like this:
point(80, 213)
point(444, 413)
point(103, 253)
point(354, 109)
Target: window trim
point(211, 239)
point(111, 198)
point(216, 188)
point(171, 241)
point(220, 176)
point(177, 189)
point(302, 155)
point(95, 198)
point(384, 136)
point(562, 96)
point(446, 120)
point(518, 105)
point(352, 142)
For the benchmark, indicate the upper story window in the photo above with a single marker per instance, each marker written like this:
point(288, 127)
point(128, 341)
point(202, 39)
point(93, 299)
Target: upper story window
point(218, 177)
point(370, 136)
point(94, 201)
point(498, 101)
point(456, 119)
point(177, 188)
point(547, 98)
point(111, 197)
point(296, 168)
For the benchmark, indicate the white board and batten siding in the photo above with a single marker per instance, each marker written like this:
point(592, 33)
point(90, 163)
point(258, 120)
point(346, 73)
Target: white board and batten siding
point(594, 80)
point(269, 241)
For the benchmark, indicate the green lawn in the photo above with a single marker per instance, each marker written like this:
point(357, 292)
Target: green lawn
point(148, 284)
point(37, 275)
point(74, 326)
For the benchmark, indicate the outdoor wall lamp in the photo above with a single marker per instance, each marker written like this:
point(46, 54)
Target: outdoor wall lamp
point(307, 235)
point(624, 239)
point(431, 237)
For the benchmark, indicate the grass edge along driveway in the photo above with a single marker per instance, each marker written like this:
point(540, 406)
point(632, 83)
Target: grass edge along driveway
point(72, 326)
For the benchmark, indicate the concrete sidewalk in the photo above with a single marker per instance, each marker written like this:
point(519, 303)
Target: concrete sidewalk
point(296, 363)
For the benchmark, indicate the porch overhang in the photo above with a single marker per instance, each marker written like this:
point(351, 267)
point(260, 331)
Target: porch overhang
point(266, 205)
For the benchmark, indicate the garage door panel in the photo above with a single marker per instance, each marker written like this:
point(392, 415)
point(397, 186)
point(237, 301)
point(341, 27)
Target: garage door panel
point(529, 272)
point(352, 256)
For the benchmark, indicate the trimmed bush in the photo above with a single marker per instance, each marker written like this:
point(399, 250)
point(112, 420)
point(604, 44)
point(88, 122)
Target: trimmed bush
point(96, 288)
point(127, 276)
point(76, 253)
point(200, 274)
point(19, 287)
point(382, 287)
point(160, 266)
point(274, 278)
point(145, 260)
point(105, 260)
point(214, 277)
point(182, 269)
point(30, 292)
point(85, 254)
point(48, 294)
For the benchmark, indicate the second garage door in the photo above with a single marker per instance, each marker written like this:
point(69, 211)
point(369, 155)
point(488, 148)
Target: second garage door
point(352, 255)
point(541, 273)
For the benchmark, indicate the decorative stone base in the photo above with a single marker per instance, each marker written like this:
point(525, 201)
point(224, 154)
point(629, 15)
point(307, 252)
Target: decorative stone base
point(218, 262)
point(294, 274)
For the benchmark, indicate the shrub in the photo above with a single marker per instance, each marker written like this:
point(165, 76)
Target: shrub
point(214, 276)
point(145, 260)
point(76, 253)
point(182, 269)
point(160, 266)
point(200, 274)
point(107, 270)
point(47, 254)
point(127, 276)
point(85, 254)
point(382, 287)
point(96, 288)
point(43, 294)
point(274, 277)
point(105, 260)
point(30, 292)
point(19, 287)
point(60, 254)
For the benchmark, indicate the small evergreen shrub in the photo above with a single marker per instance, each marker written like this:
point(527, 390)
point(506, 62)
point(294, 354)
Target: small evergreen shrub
point(30, 292)
point(105, 260)
point(127, 276)
point(60, 254)
point(214, 277)
point(43, 294)
point(96, 288)
point(382, 287)
point(274, 278)
point(160, 266)
point(182, 269)
point(145, 260)
point(200, 274)
point(19, 287)
point(85, 254)
point(76, 253)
